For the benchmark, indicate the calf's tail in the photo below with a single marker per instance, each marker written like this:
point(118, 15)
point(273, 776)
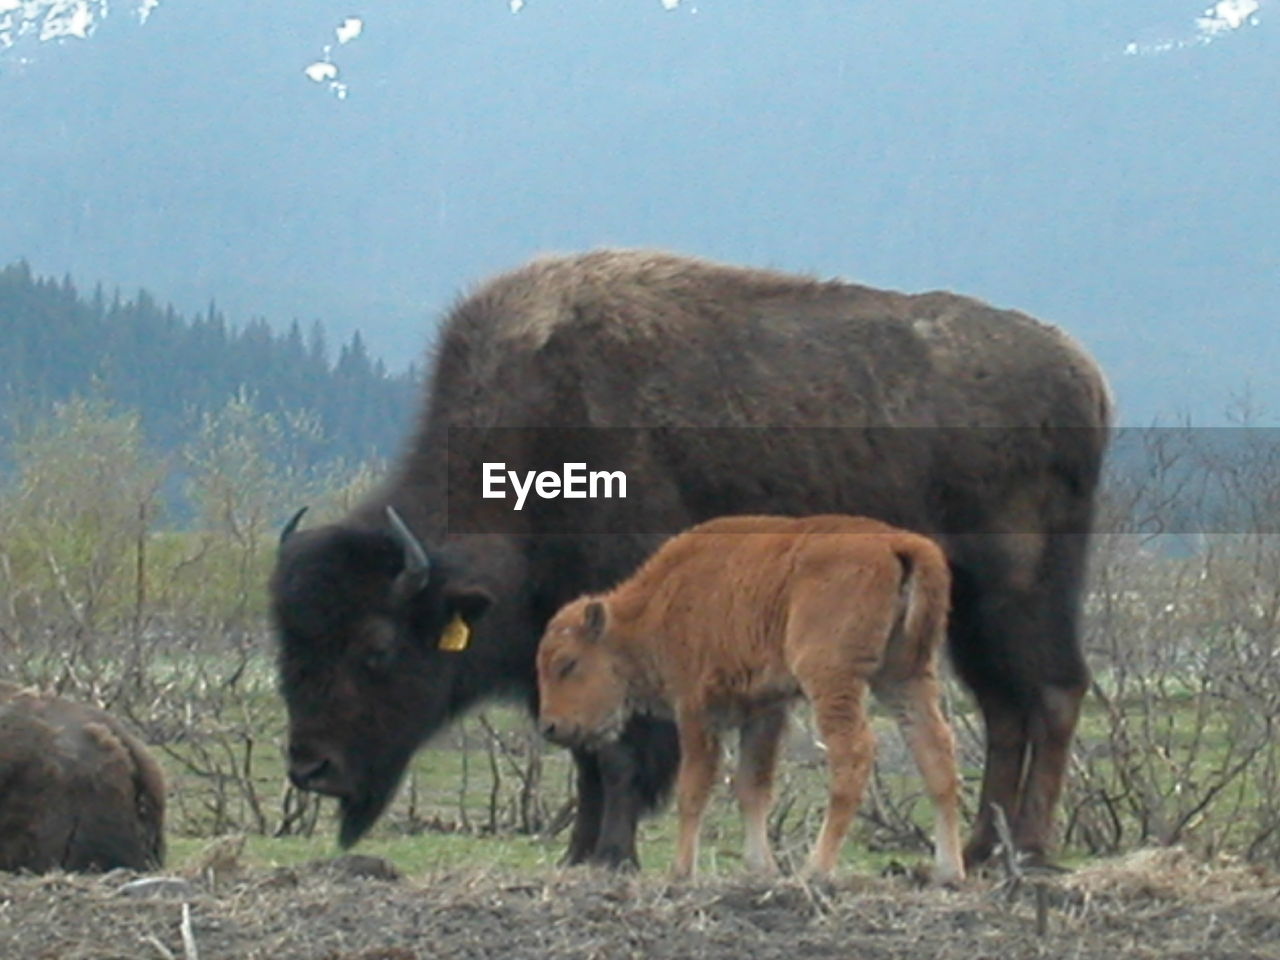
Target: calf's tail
point(926, 587)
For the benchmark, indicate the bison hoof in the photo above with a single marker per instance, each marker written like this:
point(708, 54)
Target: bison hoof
point(977, 854)
point(986, 858)
point(573, 858)
point(616, 858)
point(1039, 862)
point(577, 853)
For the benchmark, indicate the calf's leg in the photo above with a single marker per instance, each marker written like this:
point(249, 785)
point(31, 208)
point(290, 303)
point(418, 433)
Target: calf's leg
point(759, 740)
point(916, 708)
point(839, 710)
point(699, 760)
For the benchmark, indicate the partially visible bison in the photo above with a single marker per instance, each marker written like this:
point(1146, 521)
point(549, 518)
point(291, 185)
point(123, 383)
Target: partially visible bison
point(729, 623)
point(717, 390)
point(77, 790)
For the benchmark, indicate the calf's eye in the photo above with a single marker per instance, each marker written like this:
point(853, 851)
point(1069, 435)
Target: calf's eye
point(565, 669)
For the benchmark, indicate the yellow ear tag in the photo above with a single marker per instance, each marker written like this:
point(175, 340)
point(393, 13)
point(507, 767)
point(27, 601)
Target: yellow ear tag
point(456, 635)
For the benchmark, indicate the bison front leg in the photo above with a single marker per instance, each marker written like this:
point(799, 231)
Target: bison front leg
point(699, 760)
point(620, 814)
point(604, 827)
point(586, 822)
point(616, 786)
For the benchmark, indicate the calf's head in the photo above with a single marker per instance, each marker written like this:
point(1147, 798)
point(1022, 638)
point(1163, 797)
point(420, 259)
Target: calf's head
point(582, 687)
point(371, 635)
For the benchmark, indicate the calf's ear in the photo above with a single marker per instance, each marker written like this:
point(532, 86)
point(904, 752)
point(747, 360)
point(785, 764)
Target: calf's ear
point(593, 620)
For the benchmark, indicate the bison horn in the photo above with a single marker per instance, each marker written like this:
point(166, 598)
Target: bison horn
point(291, 526)
point(417, 566)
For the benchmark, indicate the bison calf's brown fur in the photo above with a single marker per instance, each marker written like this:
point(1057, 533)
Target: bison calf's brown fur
point(731, 620)
point(77, 790)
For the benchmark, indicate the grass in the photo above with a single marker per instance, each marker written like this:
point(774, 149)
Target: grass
point(446, 811)
point(451, 812)
point(412, 855)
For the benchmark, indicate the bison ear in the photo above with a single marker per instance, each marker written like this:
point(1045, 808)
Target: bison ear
point(470, 603)
point(593, 620)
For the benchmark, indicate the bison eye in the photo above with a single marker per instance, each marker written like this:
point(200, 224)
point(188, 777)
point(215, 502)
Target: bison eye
point(377, 647)
point(379, 659)
point(565, 669)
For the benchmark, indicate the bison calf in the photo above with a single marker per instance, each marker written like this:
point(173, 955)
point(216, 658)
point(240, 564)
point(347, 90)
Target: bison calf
point(77, 790)
point(731, 620)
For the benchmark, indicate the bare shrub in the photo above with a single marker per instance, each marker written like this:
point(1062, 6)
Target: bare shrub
point(163, 627)
point(104, 599)
point(1178, 745)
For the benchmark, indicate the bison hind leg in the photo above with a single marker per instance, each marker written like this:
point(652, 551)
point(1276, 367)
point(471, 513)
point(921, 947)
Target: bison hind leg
point(1015, 642)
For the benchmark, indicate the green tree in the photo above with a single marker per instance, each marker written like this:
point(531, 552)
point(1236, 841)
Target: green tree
point(74, 521)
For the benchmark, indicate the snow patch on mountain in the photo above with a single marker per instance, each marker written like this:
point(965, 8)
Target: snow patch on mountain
point(324, 70)
point(1224, 18)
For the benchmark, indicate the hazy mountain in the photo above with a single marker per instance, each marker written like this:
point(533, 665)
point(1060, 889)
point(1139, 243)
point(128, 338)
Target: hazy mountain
point(1103, 166)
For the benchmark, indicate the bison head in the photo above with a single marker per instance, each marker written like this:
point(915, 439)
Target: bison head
point(582, 689)
point(372, 634)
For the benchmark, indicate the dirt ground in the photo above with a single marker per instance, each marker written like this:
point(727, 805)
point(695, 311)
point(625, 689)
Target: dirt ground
point(1151, 904)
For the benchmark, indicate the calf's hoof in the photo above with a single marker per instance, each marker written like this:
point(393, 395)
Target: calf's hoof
point(946, 879)
point(816, 876)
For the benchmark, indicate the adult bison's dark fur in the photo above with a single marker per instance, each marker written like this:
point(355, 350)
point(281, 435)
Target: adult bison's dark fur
point(77, 790)
point(932, 412)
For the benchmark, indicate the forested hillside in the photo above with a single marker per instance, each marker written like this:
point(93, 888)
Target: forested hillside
point(173, 371)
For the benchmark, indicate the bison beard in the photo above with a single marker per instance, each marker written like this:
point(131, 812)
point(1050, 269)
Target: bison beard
point(933, 412)
point(358, 812)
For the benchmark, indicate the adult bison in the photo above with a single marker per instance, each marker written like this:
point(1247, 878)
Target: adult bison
point(716, 390)
point(77, 790)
